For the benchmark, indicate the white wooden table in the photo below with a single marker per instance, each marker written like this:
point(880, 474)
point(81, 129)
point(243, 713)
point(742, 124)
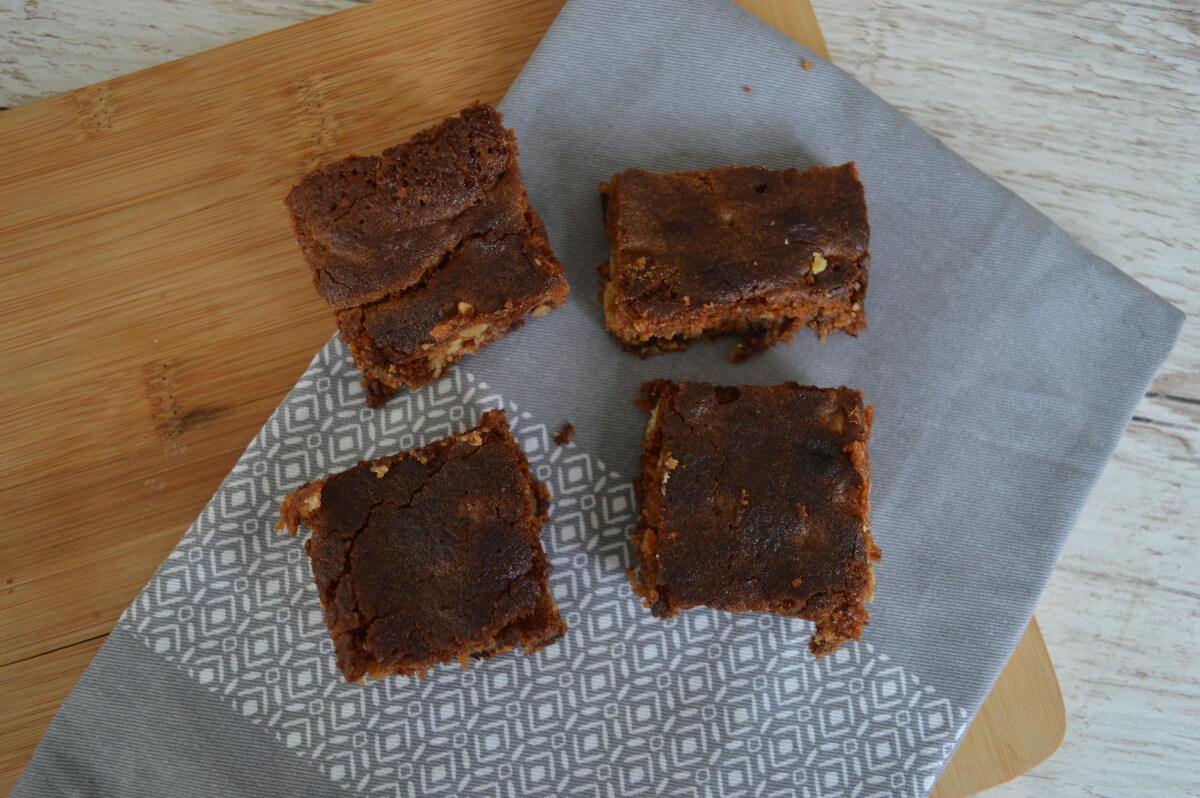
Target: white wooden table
point(1086, 109)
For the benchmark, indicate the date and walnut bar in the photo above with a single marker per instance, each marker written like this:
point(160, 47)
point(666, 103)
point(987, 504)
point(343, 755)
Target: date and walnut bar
point(757, 499)
point(431, 555)
point(428, 251)
point(736, 250)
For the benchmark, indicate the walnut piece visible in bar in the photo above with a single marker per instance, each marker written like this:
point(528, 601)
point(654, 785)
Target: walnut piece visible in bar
point(736, 250)
point(427, 252)
point(430, 556)
point(757, 499)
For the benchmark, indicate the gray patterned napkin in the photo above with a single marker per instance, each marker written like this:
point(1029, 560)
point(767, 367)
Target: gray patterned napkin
point(1003, 360)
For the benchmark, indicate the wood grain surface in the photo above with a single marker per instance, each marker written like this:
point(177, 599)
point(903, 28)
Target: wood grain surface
point(32, 690)
point(1134, 206)
point(1020, 725)
point(1090, 112)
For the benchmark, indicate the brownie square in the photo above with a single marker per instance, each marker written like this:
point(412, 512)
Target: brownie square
point(431, 555)
point(427, 252)
point(757, 499)
point(740, 250)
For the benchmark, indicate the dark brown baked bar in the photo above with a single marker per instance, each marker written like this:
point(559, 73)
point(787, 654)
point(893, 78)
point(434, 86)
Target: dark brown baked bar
point(427, 252)
point(757, 499)
point(740, 250)
point(431, 555)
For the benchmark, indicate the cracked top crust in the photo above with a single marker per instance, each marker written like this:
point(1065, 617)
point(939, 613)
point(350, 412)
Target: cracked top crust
point(756, 498)
point(430, 555)
point(520, 269)
point(374, 225)
point(687, 247)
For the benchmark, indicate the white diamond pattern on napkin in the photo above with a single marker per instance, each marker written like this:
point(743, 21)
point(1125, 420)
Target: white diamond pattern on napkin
point(709, 704)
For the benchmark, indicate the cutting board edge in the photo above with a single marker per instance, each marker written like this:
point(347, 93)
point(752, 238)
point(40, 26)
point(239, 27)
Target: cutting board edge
point(70, 101)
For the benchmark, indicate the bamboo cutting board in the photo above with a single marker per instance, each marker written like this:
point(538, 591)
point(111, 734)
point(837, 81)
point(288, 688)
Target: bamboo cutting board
point(156, 310)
